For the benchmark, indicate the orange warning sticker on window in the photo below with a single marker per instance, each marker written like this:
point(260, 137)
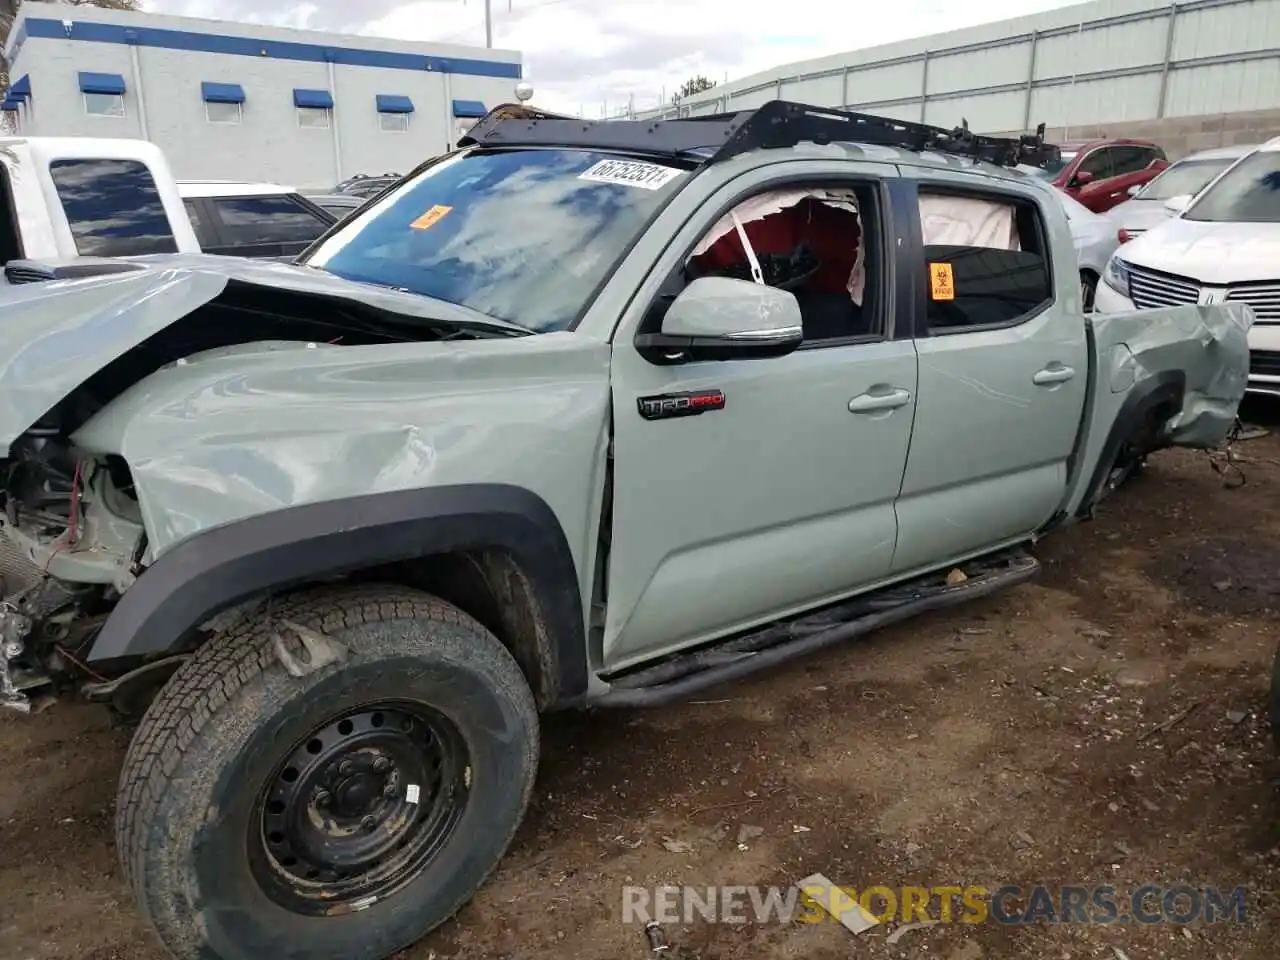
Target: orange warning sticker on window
point(432, 217)
point(942, 285)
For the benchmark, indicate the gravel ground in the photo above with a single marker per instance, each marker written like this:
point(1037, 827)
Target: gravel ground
point(1104, 725)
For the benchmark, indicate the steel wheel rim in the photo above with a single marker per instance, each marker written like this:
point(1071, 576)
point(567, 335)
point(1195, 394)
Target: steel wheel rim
point(359, 808)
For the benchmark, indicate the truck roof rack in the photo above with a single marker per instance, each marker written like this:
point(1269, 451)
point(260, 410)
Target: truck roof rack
point(774, 125)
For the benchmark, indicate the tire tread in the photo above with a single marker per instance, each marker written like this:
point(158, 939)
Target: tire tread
point(211, 678)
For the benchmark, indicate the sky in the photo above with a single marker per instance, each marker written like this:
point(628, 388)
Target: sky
point(586, 54)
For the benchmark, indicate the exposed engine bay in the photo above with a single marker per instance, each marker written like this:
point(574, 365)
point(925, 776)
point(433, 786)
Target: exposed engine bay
point(72, 536)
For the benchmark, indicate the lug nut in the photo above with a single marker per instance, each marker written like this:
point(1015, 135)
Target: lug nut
point(369, 824)
point(381, 765)
point(390, 791)
point(345, 768)
point(323, 798)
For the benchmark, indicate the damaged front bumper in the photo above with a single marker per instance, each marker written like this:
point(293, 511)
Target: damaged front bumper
point(14, 679)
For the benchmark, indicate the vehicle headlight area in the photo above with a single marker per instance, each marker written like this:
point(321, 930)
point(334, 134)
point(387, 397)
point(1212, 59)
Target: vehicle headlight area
point(1116, 275)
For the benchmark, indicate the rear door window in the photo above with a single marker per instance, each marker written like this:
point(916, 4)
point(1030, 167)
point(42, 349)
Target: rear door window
point(987, 261)
point(205, 231)
point(113, 207)
point(1130, 159)
point(1098, 163)
point(255, 220)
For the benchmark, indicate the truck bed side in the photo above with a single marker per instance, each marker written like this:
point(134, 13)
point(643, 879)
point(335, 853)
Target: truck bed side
point(1181, 369)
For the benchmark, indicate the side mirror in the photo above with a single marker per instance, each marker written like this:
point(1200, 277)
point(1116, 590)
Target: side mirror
point(1175, 205)
point(1082, 179)
point(719, 318)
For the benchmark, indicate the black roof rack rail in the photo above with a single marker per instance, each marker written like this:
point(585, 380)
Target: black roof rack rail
point(774, 125)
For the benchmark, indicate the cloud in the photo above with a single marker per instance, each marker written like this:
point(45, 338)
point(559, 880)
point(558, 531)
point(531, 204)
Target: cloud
point(582, 54)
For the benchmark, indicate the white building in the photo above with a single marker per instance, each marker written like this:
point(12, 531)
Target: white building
point(240, 101)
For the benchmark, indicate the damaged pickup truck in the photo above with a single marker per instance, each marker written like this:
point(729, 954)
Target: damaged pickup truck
point(577, 414)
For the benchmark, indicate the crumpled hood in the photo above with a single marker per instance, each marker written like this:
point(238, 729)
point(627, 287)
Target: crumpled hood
point(1212, 253)
point(55, 335)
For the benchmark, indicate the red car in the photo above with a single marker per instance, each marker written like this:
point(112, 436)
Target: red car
point(1102, 173)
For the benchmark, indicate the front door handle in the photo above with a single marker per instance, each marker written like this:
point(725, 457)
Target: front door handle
point(1053, 374)
point(876, 402)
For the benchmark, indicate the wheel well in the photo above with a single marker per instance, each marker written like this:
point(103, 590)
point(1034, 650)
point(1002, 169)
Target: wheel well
point(1138, 424)
point(490, 586)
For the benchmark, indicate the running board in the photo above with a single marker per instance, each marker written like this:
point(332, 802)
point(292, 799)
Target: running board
point(691, 672)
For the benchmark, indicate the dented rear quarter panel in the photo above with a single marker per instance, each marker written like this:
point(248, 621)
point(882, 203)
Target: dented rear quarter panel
point(243, 431)
point(1207, 344)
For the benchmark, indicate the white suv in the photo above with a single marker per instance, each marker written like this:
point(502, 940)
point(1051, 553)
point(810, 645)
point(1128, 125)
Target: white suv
point(1225, 245)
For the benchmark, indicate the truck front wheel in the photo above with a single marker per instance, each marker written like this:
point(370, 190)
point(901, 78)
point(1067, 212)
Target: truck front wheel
point(330, 781)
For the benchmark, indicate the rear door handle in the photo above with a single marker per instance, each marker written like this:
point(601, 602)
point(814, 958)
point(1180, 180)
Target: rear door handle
point(876, 402)
point(1053, 374)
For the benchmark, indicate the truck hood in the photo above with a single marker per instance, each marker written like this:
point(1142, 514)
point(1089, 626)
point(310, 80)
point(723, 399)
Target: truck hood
point(1212, 253)
point(56, 335)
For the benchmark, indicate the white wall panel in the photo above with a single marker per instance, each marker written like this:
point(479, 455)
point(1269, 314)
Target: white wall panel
point(992, 111)
point(989, 67)
point(1116, 47)
point(1223, 31)
point(1128, 37)
point(892, 82)
point(824, 91)
point(1223, 88)
point(1094, 101)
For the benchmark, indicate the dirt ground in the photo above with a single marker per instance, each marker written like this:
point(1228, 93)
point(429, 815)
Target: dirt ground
point(1105, 725)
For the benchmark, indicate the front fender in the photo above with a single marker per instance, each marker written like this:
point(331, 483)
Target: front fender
point(316, 455)
point(274, 551)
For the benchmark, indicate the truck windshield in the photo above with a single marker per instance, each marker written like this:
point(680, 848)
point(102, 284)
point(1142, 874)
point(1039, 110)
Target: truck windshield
point(1185, 178)
point(525, 236)
point(1248, 193)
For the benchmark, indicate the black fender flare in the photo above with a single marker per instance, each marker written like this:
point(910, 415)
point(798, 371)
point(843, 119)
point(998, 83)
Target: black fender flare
point(234, 562)
point(1167, 387)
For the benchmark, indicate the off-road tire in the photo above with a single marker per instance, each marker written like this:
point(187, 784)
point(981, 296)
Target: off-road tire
point(196, 764)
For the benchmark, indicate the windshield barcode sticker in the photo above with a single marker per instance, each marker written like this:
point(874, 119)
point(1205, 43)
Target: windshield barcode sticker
point(631, 173)
point(431, 217)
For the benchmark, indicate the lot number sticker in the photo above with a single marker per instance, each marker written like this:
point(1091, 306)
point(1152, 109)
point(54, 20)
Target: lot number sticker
point(631, 173)
point(431, 217)
point(942, 285)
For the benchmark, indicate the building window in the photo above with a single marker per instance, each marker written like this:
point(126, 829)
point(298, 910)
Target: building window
point(394, 122)
point(314, 117)
point(104, 104)
point(222, 112)
point(113, 207)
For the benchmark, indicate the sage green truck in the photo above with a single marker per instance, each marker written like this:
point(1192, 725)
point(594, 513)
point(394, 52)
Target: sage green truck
point(577, 415)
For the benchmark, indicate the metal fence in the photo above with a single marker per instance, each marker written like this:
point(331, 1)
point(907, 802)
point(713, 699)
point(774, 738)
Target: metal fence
point(1179, 59)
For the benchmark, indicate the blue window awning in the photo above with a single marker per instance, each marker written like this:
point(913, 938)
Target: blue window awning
point(9, 106)
point(317, 99)
point(22, 89)
point(468, 108)
point(221, 92)
point(101, 83)
point(394, 103)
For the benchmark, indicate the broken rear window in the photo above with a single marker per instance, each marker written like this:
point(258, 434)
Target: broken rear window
point(526, 236)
